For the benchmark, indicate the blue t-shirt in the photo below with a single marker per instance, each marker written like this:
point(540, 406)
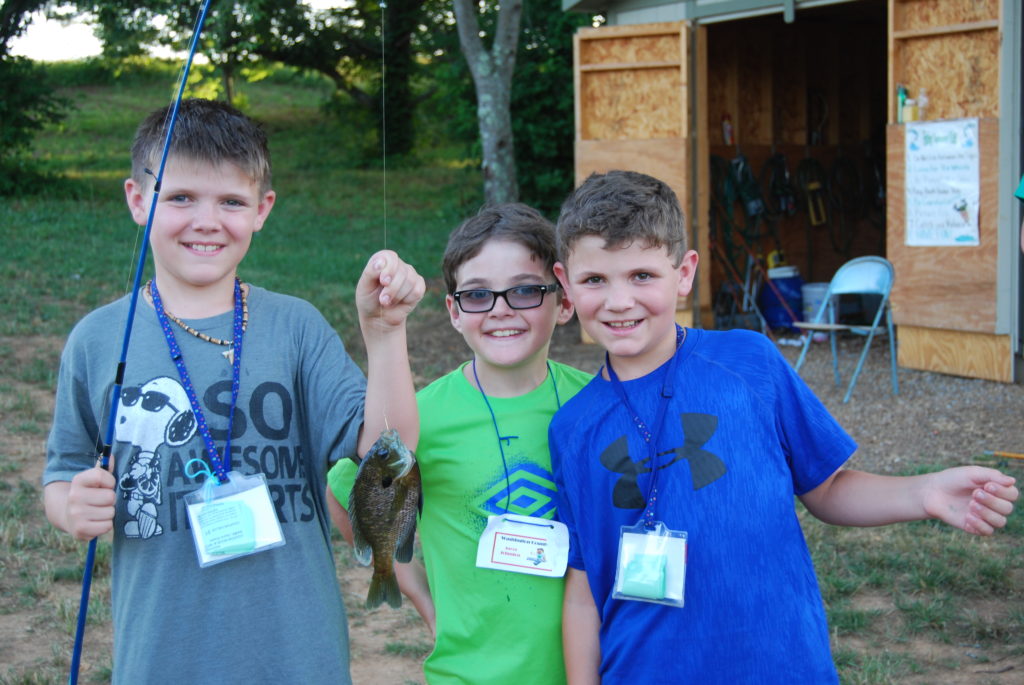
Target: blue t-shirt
point(742, 435)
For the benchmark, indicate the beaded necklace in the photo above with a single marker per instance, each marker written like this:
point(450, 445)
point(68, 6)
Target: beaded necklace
point(199, 334)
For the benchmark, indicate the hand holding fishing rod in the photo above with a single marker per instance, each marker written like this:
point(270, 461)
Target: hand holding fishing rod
point(88, 504)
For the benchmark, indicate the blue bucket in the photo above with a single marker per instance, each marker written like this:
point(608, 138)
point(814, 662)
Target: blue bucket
point(787, 281)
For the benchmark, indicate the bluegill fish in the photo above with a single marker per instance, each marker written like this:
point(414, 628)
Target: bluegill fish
point(385, 499)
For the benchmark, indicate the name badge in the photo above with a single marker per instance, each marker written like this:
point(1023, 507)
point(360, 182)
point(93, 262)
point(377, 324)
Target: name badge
point(651, 565)
point(524, 544)
point(232, 519)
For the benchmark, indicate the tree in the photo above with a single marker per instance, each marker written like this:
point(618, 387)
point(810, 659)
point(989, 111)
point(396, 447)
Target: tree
point(492, 77)
point(28, 103)
point(345, 44)
point(543, 109)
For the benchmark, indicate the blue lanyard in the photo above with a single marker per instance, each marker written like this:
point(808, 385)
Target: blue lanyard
point(667, 388)
point(508, 438)
point(220, 466)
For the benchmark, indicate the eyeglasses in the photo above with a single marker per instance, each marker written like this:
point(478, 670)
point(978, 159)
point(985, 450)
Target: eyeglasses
point(479, 300)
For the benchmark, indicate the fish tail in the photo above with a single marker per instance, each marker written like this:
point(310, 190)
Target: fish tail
point(383, 588)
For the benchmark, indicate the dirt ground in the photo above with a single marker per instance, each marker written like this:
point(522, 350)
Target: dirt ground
point(936, 419)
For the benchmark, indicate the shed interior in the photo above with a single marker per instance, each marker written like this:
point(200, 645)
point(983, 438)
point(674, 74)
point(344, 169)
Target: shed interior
point(796, 117)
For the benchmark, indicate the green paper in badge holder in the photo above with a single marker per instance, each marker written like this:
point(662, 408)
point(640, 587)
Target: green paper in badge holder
point(644, 576)
point(228, 528)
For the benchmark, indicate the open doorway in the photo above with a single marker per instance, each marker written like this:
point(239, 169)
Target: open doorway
point(796, 128)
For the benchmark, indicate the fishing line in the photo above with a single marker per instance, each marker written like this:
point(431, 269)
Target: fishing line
point(104, 457)
point(383, 163)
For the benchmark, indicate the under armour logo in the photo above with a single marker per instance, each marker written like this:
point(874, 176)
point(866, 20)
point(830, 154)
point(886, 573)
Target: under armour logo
point(705, 467)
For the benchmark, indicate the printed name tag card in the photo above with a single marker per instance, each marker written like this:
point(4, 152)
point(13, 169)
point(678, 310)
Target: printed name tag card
point(524, 544)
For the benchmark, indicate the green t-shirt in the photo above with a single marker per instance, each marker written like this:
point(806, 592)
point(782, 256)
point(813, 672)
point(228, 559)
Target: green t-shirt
point(492, 626)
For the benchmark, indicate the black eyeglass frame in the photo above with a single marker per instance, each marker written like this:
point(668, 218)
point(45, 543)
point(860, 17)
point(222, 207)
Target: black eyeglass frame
point(495, 294)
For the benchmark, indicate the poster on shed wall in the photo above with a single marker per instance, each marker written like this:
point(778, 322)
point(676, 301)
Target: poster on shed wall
point(942, 182)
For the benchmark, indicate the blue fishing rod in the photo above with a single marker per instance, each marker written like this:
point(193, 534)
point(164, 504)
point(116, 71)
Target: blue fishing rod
point(104, 456)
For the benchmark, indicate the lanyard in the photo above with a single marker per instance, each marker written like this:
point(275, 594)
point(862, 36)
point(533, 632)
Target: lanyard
point(508, 438)
point(220, 466)
point(645, 432)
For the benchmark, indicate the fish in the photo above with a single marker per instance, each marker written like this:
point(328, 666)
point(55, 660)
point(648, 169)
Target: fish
point(385, 501)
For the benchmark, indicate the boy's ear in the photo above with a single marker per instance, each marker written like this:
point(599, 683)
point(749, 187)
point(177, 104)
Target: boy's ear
point(562, 275)
point(453, 312)
point(687, 272)
point(135, 194)
point(263, 208)
point(565, 308)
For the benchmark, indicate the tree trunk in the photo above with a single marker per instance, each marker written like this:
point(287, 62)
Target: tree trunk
point(492, 76)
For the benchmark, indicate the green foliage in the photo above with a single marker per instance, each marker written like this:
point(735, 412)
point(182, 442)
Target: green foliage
point(542, 101)
point(542, 105)
point(28, 104)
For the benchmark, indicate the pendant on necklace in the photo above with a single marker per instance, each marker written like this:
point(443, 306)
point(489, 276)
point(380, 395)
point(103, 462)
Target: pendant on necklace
point(229, 354)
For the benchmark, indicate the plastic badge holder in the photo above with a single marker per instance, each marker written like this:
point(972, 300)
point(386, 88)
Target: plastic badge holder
point(233, 519)
point(651, 565)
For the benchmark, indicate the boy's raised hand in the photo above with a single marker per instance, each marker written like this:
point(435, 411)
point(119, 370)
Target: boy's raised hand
point(975, 499)
point(388, 290)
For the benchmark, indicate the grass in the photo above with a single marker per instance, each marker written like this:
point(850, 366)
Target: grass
point(73, 246)
point(923, 582)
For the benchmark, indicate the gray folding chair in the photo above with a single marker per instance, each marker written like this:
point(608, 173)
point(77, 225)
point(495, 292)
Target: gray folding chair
point(863, 275)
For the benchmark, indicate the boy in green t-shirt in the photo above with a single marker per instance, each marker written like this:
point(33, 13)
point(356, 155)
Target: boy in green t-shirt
point(483, 452)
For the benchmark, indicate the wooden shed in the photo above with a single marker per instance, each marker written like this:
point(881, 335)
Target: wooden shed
point(800, 100)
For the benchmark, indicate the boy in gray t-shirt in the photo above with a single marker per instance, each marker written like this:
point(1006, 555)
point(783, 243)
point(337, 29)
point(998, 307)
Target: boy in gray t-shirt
point(197, 407)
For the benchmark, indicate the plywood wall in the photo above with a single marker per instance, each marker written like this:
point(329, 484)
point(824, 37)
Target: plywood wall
point(631, 84)
point(946, 287)
point(944, 298)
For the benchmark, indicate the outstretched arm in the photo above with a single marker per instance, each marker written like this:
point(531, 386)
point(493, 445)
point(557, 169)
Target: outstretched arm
point(975, 499)
point(581, 626)
point(388, 290)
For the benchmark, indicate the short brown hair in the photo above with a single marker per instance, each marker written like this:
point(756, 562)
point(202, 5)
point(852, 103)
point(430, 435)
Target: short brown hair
point(513, 221)
point(623, 207)
point(205, 131)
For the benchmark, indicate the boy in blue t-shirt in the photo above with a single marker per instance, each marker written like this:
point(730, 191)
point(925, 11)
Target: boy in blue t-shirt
point(708, 434)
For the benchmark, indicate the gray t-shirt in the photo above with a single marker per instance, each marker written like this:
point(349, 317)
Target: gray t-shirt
point(274, 616)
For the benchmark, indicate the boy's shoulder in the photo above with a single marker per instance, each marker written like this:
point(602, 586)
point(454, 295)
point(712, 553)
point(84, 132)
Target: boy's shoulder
point(728, 346)
point(101, 323)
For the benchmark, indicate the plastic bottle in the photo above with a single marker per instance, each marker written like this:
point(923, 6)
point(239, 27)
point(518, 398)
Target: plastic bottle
point(727, 129)
point(910, 109)
point(901, 98)
point(922, 104)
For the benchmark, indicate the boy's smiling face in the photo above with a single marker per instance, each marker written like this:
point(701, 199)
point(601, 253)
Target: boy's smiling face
point(626, 300)
point(205, 218)
point(506, 339)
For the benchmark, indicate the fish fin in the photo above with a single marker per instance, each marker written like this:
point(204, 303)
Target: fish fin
point(360, 547)
point(403, 552)
point(383, 588)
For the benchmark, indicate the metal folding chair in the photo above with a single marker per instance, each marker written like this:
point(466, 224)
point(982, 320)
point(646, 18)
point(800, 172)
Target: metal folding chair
point(863, 275)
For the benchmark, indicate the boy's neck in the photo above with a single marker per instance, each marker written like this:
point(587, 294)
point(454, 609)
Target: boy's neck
point(515, 381)
point(192, 302)
point(631, 368)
